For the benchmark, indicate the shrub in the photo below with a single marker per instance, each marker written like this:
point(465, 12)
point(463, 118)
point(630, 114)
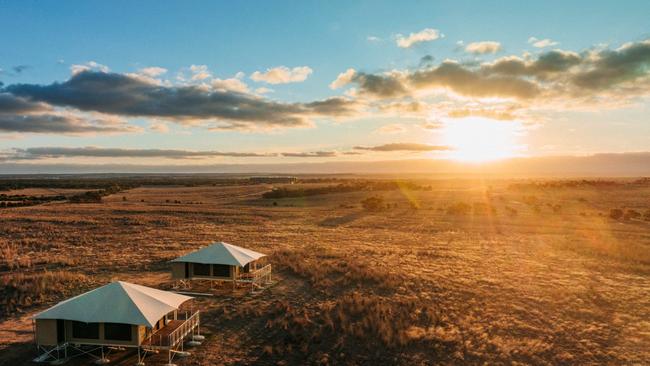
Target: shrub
point(632, 215)
point(459, 208)
point(374, 203)
point(615, 213)
point(511, 211)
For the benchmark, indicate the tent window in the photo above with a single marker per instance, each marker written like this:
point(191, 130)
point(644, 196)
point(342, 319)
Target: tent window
point(85, 330)
point(201, 269)
point(117, 332)
point(220, 270)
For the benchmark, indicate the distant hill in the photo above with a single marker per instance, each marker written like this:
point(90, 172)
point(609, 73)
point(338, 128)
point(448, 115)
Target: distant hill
point(624, 164)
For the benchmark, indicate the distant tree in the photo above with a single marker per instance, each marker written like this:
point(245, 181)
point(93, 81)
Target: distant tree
point(615, 213)
point(631, 215)
point(511, 211)
point(123, 198)
point(375, 203)
point(459, 208)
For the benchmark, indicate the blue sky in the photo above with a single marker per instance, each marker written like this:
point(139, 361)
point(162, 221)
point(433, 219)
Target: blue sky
point(329, 38)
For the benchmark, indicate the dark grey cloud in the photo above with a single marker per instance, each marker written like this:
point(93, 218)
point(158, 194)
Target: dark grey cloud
point(613, 67)
point(378, 85)
point(464, 81)
point(314, 154)
point(12, 104)
point(550, 62)
point(18, 114)
point(335, 106)
point(97, 152)
point(59, 123)
point(556, 73)
point(404, 146)
point(124, 95)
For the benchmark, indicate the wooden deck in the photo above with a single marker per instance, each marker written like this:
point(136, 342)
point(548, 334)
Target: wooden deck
point(161, 337)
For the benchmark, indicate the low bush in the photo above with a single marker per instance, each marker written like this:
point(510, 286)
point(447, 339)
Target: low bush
point(375, 203)
point(616, 213)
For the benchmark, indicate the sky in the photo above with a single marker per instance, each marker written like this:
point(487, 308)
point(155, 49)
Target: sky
point(257, 82)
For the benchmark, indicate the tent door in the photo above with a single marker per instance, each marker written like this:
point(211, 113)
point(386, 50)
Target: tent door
point(60, 331)
point(187, 270)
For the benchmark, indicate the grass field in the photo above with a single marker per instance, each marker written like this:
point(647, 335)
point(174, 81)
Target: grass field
point(468, 272)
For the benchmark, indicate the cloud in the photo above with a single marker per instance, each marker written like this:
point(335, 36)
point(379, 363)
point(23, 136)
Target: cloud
point(99, 152)
point(464, 81)
point(282, 75)
point(404, 146)
point(263, 90)
point(153, 71)
point(391, 129)
point(432, 125)
point(61, 124)
point(19, 69)
point(232, 84)
point(343, 79)
point(88, 66)
point(124, 95)
point(491, 113)
point(541, 43)
point(159, 126)
point(22, 115)
point(314, 154)
point(425, 35)
point(200, 72)
point(555, 77)
point(12, 104)
point(483, 47)
point(612, 67)
point(334, 106)
point(386, 85)
point(373, 39)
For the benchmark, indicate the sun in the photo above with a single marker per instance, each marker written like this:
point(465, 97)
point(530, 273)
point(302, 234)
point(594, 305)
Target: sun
point(481, 139)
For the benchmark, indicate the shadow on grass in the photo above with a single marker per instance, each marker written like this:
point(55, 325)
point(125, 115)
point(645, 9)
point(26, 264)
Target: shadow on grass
point(341, 220)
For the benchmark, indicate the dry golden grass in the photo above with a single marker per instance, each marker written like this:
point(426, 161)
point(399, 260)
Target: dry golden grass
point(559, 282)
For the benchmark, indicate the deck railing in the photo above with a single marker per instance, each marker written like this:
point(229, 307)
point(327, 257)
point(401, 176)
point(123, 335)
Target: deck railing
point(186, 328)
point(263, 274)
point(171, 340)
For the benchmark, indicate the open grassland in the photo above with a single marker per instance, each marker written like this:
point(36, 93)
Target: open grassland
point(468, 271)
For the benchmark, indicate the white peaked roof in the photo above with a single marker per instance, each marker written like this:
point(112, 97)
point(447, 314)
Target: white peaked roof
point(117, 302)
point(221, 253)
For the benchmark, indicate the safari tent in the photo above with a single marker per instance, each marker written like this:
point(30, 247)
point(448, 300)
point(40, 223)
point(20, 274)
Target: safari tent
point(223, 262)
point(115, 316)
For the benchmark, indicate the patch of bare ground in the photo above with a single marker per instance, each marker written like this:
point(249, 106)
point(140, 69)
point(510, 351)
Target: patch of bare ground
point(467, 273)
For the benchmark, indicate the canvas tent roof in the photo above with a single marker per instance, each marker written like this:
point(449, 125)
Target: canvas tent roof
point(117, 302)
point(221, 253)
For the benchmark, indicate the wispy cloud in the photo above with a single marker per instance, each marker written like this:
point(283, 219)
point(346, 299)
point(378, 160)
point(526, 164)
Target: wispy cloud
point(88, 66)
point(541, 43)
point(99, 152)
point(283, 75)
point(404, 146)
point(391, 129)
point(313, 154)
point(483, 47)
point(425, 35)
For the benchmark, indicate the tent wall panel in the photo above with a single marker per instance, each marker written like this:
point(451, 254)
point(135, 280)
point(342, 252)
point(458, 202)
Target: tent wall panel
point(46, 332)
point(178, 270)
